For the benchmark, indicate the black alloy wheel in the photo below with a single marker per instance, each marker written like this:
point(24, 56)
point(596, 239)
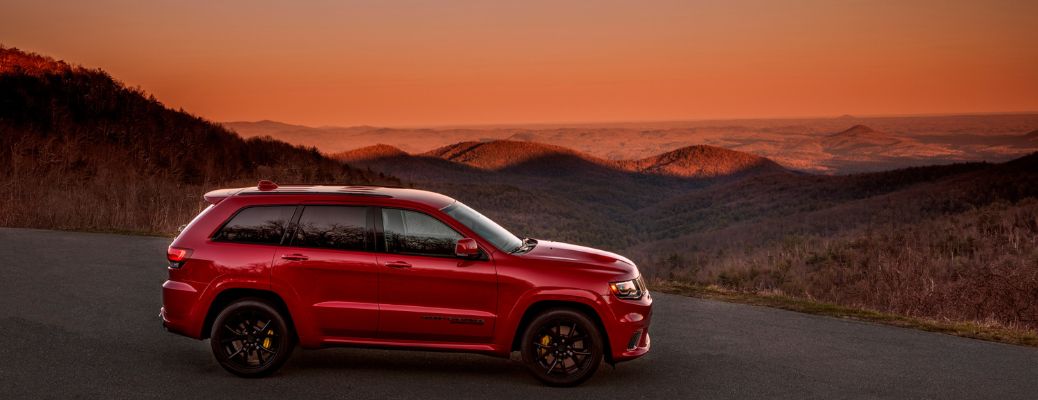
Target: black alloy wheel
point(251, 339)
point(562, 347)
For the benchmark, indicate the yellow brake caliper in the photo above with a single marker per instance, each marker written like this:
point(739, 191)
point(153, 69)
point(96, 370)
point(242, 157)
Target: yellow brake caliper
point(545, 340)
point(266, 340)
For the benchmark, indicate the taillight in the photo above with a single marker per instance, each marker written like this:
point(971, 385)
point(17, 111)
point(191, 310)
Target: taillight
point(177, 256)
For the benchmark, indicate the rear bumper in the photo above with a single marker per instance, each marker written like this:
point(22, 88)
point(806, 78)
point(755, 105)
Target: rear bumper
point(179, 308)
point(628, 330)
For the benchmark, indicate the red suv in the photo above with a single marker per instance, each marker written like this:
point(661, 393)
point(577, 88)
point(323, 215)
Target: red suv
point(264, 268)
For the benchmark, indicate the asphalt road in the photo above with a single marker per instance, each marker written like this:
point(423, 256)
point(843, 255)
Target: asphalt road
point(78, 318)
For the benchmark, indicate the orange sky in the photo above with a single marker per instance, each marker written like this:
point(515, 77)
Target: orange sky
point(406, 63)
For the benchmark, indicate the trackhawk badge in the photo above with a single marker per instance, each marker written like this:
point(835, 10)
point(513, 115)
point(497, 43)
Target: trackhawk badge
point(454, 320)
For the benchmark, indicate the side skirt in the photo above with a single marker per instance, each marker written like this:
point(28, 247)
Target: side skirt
point(487, 349)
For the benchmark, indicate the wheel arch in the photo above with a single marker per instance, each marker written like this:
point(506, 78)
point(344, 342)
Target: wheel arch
point(230, 295)
point(540, 306)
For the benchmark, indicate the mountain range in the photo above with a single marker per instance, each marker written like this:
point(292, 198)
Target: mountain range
point(840, 145)
point(700, 161)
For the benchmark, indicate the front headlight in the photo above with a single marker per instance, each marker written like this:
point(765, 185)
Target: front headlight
point(628, 290)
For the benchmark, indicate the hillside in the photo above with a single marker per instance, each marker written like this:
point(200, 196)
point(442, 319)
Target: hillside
point(372, 152)
point(411, 168)
point(703, 162)
point(504, 154)
point(83, 151)
point(856, 138)
point(951, 242)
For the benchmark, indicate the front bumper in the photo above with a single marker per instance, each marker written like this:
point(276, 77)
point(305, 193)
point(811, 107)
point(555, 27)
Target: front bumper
point(628, 330)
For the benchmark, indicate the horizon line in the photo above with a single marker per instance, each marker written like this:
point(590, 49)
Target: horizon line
point(500, 125)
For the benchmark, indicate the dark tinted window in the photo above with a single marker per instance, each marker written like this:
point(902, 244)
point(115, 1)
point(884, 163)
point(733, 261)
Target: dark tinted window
point(333, 227)
point(412, 232)
point(262, 225)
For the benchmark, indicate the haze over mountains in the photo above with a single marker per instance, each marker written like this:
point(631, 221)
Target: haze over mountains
point(825, 145)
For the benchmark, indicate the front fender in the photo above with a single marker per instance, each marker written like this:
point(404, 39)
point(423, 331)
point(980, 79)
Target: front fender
point(506, 332)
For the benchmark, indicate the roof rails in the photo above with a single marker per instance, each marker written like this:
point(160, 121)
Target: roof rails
point(342, 184)
point(269, 187)
point(340, 193)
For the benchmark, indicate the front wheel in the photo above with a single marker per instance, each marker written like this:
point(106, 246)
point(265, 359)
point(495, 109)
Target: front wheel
point(562, 347)
point(250, 338)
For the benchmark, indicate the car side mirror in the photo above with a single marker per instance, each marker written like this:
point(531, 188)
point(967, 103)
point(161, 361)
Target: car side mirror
point(466, 248)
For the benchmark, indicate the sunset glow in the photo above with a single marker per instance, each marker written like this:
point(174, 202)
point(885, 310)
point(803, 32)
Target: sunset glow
point(437, 63)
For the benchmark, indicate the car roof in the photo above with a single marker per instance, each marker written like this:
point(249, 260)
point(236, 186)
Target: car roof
point(264, 188)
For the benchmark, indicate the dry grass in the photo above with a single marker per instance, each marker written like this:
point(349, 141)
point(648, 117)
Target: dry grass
point(964, 248)
point(990, 331)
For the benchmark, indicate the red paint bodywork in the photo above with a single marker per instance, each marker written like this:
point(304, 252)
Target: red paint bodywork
point(354, 298)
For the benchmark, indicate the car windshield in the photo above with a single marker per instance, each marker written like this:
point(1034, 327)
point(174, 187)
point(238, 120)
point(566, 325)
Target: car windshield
point(484, 227)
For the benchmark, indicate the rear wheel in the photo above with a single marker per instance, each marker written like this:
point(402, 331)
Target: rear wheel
point(562, 347)
point(250, 338)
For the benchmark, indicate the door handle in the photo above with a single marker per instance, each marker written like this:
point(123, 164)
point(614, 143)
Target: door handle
point(295, 257)
point(398, 264)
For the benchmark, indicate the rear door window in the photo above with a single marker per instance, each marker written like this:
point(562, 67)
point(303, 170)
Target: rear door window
point(412, 232)
point(257, 225)
point(333, 227)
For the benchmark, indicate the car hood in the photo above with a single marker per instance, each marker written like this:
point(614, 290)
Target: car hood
point(565, 252)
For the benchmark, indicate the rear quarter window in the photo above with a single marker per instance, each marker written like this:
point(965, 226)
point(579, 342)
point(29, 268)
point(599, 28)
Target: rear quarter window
point(258, 225)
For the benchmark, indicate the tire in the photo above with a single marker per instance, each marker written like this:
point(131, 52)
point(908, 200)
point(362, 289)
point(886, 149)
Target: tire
point(562, 347)
point(250, 338)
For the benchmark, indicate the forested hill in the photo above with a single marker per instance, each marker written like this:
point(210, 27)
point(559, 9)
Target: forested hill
point(81, 150)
